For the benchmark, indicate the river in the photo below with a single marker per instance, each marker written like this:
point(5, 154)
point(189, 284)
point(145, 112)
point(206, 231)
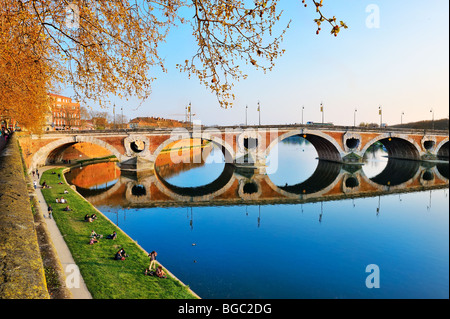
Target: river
point(359, 244)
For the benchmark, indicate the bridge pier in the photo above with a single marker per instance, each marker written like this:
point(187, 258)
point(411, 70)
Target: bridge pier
point(138, 164)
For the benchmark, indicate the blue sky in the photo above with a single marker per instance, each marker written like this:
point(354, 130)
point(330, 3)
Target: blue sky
point(403, 65)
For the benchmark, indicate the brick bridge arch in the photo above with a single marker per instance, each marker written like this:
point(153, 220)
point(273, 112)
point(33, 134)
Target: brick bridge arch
point(397, 146)
point(209, 135)
point(41, 156)
point(442, 149)
point(326, 146)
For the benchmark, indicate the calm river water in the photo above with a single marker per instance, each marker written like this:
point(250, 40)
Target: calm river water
point(303, 249)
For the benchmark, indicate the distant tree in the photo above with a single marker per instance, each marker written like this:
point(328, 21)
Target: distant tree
point(100, 120)
point(84, 114)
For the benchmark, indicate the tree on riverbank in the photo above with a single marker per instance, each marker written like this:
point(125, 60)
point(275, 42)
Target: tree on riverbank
point(103, 48)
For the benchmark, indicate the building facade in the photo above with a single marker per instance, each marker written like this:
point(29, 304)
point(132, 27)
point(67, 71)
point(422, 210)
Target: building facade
point(64, 114)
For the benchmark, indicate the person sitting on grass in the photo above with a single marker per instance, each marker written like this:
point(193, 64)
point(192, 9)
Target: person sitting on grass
point(93, 217)
point(112, 236)
point(87, 218)
point(93, 240)
point(95, 235)
point(120, 255)
point(67, 208)
point(66, 191)
point(160, 272)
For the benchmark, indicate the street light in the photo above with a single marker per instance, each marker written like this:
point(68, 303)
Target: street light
point(401, 118)
point(259, 111)
point(303, 107)
point(432, 119)
point(114, 115)
point(246, 122)
point(321, 110)
point(354, 117)
point(380, 111)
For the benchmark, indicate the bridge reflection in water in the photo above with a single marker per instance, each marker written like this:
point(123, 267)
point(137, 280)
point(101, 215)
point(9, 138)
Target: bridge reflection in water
point(103, 184)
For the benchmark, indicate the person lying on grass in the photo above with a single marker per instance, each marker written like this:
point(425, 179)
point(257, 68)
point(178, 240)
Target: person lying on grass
point(112, 236)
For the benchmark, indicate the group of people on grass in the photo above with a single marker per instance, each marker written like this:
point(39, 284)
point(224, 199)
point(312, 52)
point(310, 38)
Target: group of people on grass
point(91, 218)
point(94, 237)
point(153, 269)
point(61, 200)
point(121, 255)
point(159, 272)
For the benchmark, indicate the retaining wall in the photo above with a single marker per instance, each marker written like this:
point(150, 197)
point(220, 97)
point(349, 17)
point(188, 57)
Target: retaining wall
point(21, 268)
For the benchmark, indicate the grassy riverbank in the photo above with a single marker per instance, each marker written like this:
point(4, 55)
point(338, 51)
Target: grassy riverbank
point(105, 277)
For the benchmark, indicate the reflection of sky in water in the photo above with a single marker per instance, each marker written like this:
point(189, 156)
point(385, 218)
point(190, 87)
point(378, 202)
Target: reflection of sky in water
point(200, 175)
point(292, 161)
point(375, 160)
point(313, 250)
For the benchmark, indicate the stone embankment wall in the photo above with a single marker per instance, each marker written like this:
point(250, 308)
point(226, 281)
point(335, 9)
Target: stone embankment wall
point(21, 268)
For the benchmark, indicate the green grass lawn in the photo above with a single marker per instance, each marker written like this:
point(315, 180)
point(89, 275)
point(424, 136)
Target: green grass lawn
point(105, 277)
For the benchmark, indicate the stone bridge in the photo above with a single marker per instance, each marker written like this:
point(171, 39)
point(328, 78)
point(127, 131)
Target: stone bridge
point(241, 145)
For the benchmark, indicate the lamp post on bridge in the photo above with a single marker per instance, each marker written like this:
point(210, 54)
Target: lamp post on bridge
point(303, 107)
point(246, 108)
point(354, 117)
point(401, 118)
point(114, 115)
point(321, 110)
point(380, 111)
point(259, 111)
point(432, 118)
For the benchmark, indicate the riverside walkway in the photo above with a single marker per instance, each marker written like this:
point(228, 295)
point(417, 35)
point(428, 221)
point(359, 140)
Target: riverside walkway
point(77, 287)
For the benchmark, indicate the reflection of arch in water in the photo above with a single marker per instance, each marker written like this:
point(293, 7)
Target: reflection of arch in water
point(351, 183)
point(327, 148)
point(443, 149)
point(442, 170)
point(324, 178)
point(209, 191)
point(139, 191)
point(397, 173)
point(249, 188)
point(101, 194)
point(88, 192)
